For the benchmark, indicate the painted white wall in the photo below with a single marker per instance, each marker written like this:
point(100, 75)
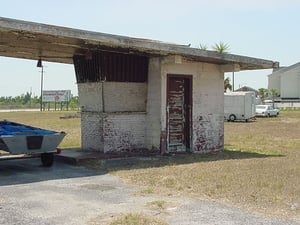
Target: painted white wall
point(208, 117)
point(125, 97)
point(274, 82)
point(208, 103)
point(92, 131)
point(154, 99)
point(118, 96)
point(124, 131)
point(114, 119)
point(135, 113)
point(290, 84)
point(286, 81)
point(90, 96)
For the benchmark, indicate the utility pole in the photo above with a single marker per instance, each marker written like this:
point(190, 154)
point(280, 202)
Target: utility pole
point(39, 64)
point(233, 80)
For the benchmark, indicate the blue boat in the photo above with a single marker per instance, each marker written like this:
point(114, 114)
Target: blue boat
point(17, 138)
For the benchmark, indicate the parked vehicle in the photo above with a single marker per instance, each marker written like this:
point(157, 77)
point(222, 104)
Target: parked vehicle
point(19, 139)
point(266, 111)
point(239, 105)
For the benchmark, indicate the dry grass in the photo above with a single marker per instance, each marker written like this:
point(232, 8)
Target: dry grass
point(137, 219)
point(127, 219)
point(50, 120)
point(259, 170)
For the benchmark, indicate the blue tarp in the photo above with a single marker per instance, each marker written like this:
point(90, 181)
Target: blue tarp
point(16, 129)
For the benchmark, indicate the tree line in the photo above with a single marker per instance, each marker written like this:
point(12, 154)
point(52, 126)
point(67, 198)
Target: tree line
point(30, 102)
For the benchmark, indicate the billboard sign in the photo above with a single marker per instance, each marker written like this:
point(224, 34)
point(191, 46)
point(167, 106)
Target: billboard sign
point(57, 96)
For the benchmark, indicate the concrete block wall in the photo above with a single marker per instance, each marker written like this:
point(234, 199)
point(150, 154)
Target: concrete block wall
point(208, 87)
point(208, 104)
point(125, 97)
point(153, 117)
point(92, 131)
point(124, 131)
point(113, 115)
point(208, 118)
point(90, 97)
point(133, 115)
point(117, 96)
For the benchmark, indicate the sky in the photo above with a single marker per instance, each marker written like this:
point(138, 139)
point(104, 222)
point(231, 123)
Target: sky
point(266, 29)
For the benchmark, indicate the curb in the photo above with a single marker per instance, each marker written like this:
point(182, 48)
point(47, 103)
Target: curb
point(107, 162)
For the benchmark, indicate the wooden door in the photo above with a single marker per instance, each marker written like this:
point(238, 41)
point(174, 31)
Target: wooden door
point(179, 110)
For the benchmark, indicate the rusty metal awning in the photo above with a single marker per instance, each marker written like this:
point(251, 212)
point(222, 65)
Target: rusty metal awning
point(28, 40)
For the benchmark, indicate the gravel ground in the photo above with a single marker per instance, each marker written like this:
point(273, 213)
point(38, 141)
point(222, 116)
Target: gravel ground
point(65, 195)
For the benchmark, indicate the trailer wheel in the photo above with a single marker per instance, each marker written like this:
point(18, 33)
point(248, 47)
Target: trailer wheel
point(47, 159)
point(232, 118)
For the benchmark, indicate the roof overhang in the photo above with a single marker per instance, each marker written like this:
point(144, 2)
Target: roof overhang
point(28, 40)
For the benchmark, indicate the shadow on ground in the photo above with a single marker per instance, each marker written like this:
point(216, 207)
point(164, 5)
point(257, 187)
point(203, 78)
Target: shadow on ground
point(128, 163)
point(23, 171)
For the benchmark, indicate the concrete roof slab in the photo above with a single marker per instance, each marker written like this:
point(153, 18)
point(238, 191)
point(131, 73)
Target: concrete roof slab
point(29, 40)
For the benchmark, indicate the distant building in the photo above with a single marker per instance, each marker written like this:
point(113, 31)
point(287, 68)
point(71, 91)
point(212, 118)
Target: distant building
point(246, 88)
point(286, 80)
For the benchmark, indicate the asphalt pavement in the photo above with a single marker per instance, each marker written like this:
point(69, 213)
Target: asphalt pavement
point(67, 194)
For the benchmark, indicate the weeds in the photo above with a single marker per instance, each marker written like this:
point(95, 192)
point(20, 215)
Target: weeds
point(137, 219)
point(259, 169)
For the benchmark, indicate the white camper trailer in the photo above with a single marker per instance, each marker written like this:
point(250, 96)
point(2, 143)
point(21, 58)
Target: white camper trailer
point(239, 105)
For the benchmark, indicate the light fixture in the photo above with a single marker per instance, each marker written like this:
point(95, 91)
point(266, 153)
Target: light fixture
point(39, 63)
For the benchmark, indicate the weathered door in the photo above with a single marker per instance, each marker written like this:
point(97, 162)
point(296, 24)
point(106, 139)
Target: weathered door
point(179, 109)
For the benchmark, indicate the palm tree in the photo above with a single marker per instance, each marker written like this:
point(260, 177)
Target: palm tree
point(227, 84)
point(203, 46)
point(221, 47)
point(263, 94)
point(274, 93)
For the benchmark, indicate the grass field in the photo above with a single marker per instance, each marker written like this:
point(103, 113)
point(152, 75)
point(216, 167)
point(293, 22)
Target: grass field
point(50, 120)
point(259, 170)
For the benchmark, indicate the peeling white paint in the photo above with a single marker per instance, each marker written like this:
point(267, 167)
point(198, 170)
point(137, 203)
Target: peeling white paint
point(128, 129)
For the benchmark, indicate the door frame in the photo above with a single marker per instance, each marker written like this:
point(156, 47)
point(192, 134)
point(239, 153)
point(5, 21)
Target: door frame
point(188, 95)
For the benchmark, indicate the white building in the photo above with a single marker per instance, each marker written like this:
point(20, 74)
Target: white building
point(286, 80)
point(136, 93)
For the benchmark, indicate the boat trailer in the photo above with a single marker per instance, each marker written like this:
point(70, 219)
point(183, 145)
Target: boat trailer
point(18, 139)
